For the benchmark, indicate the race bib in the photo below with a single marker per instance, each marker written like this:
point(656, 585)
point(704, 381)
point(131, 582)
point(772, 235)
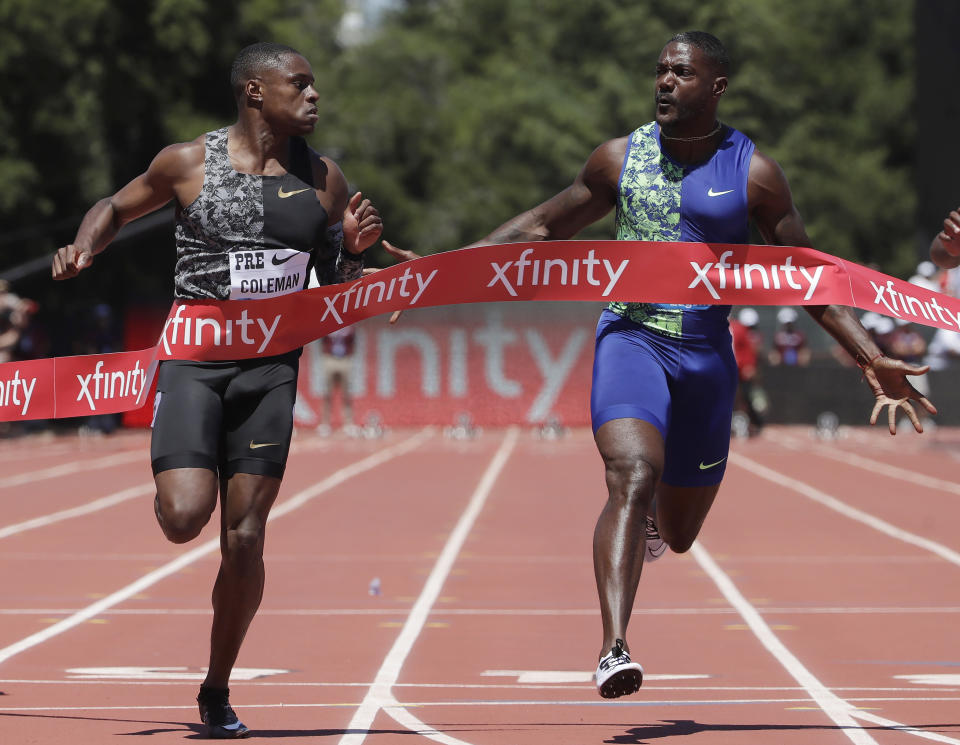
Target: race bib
point(255, 275)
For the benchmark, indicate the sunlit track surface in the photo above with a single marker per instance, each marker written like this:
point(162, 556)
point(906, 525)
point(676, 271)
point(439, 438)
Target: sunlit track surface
point(819, 607)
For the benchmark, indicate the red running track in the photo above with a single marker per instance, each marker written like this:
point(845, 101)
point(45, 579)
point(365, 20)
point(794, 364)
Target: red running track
point(820, 606)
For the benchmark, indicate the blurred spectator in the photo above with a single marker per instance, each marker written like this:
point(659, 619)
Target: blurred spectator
point(926, 276)
point(100, 335)
point(747, 346)
point(950, 282)
point(943, 350)
point(882, 332)
point(789, 342)
point(338, 348)
point(15, 315)
point(905, 343)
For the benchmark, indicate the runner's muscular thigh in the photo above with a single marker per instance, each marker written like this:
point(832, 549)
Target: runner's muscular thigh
point(249, 498)
point(681, 511)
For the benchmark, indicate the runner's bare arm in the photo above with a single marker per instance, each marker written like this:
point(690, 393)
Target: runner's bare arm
point(147, 192)
point(779, 222)
point(591, 196)
point(945, 248)
point(359, 220)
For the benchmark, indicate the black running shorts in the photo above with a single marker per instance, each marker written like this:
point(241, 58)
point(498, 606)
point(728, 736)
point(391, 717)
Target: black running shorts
point(230, 417)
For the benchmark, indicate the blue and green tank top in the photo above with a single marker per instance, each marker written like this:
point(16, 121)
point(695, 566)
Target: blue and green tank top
point(661, 200)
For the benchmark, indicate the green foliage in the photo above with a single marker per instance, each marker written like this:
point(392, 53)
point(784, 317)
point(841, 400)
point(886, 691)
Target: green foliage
point(464, 113)
point(460, 113)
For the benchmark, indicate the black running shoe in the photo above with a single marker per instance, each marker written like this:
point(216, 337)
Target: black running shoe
point(617, 675)
point(656, 546)
point(218, 715)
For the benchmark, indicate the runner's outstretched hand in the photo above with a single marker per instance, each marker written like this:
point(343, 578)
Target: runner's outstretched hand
point(887, 379)
point(361, 224)
point(70, 260)
point(950, 235)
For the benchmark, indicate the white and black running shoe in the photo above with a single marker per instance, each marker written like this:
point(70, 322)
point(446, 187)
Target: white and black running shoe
point(656, 546)
point(216, 712)
point(617, 675)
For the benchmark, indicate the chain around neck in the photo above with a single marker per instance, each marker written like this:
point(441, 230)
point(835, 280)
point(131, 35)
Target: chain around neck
point(693, 139)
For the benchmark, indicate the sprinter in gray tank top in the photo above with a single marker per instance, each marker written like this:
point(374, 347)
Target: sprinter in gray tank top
point(256, 212)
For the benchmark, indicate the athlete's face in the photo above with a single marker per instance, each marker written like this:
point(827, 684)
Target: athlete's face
point(289, 100)
point(688, 88)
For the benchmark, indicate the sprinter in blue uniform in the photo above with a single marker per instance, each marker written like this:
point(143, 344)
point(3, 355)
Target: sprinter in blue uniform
point(664, 375)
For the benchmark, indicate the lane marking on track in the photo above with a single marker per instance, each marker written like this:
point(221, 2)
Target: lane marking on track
point(85, 509)
point(841, 711)
point(932, 679)
point(97, 504)
point(846, 510)
point(508, 612)
point(833, 706)
point(434, 734)
point(76, 466)
point(380, 695)
point(868, 464)
point(919, 694)
point(128, 674)
point(907, 729)
point(189, 557)
point(571, 676)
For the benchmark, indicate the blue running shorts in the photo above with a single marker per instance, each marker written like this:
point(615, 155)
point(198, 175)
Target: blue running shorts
point(684, 387)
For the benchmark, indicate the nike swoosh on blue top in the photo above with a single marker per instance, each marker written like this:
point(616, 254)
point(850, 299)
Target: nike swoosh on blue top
point(712, 193)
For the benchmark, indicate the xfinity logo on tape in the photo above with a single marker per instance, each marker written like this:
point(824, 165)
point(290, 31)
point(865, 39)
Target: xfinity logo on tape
point(360, 293)
point(561, 270)
point(99, 385)
point(220, 335)
point(898, 304)
point(743, 275)
point(17, 391)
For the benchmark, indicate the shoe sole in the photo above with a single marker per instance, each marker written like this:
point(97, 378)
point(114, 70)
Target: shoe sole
point(219, 733)
point(622, 683)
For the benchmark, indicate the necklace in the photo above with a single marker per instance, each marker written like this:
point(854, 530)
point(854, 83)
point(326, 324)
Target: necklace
point(693, 139)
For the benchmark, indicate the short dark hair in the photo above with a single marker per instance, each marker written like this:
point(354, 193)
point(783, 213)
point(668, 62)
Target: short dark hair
point(252, 60)
point(710, 45)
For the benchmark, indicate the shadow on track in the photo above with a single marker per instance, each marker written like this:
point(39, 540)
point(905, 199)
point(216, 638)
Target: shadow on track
point(679, 727)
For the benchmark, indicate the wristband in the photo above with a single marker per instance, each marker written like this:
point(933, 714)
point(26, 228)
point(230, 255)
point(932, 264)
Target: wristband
point(869, 363)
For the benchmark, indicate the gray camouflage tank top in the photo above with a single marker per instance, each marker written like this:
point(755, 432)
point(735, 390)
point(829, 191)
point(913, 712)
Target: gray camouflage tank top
point(249, 236)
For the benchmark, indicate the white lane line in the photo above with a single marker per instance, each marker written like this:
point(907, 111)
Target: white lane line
point(846, 510)
point(920, 694)
point(380, 695)
point(433, 734)
point(839, 710)
point(185, 559)
point(936, 737)
point(76, 466)
point(85, 509)
point(868, 464)
point(833, 706)
point(712, 611)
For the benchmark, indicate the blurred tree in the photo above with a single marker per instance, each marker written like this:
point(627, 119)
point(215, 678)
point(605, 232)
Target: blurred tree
point(456, 114)
point(463, 113)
